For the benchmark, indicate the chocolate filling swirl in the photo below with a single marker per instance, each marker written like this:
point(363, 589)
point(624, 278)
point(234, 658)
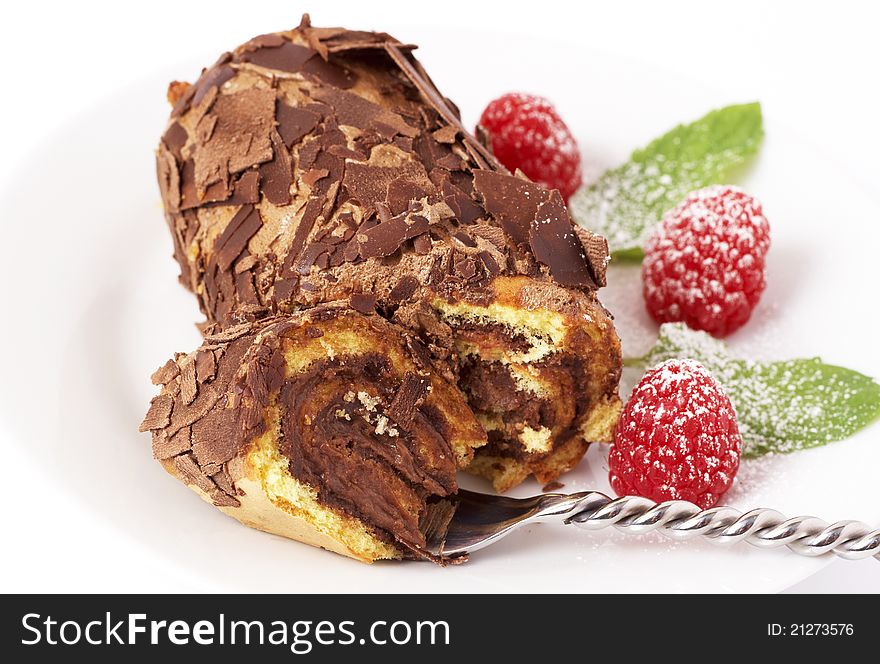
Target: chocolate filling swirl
point(342, 436)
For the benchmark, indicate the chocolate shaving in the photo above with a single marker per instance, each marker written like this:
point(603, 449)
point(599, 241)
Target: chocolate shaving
point(294, 122)
point(417, 76)
point(218, 192)
point(492, 234)
point(206, 366)
point(310, 256)
point(216, 439)
point(466, 210)
point(596, 249)
point(192, 474)
point(205, 128)
point(169, 179)
point(330, 73)
point(245, 291)
point(285, 56)
point(386, 238)
point(410, 395)
point(224, 481)
point(165, 447)
point(284, 288)
point(355, 111)
point(159, 414)
point(235, 236)
point(276, 175)
point(465, 239)
point(308, 153)
point(269, 40)
point(336, 40)
point(313, 175)
point(365, 303)
point(295, 58)
point(346, 153)
point(550, 233)
point(175, 138)
point(372, 184)
point(246, 263)
point(446, 134)
point(188, 384)
point(209, 83)
point(465, 267)
point(451, 162)
point(403, 191)
point(422, 245)
point(512, 201)
point(228, 334)
point(213, 78)
point(323, 196)
point(404, 289)
point(166, 373)
point(241, 138)
point(490, 263)
point(555, 244)
point(247, 189)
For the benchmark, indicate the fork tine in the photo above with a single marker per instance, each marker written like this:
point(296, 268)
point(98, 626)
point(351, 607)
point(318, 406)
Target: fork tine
point(481, 508)
point(481, 519)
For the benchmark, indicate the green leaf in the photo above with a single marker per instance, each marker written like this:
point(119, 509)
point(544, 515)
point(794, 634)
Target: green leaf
point(781, 406)
point(626, 202)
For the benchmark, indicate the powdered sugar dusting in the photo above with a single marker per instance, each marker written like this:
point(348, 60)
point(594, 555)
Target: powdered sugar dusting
point(781, 406)
point(626, 202)
point(624, 208)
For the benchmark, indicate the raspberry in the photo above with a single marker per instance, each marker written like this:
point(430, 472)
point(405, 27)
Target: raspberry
point(705, 264)
point(527, 134)
point(677, 438)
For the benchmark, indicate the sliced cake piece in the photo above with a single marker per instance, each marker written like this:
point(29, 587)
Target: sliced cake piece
point(327, 427)
point(540, 366)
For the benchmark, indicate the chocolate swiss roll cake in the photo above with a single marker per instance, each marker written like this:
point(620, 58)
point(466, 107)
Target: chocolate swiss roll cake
point(327, 426)
point(321, 165)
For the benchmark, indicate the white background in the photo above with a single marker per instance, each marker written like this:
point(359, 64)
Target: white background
point(813, 64)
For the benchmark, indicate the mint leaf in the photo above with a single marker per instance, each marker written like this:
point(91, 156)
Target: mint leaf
point(626, 202)
point(781, 406)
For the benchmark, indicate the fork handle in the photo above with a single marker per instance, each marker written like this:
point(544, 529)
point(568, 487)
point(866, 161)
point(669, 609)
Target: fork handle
point(766, 528)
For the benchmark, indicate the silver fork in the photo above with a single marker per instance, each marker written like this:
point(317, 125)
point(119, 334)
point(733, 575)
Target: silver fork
point(482, 519)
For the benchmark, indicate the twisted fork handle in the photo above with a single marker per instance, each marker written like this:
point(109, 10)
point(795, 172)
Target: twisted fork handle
point(766, 528)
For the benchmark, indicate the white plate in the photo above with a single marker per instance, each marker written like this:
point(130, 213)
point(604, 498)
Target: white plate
point(96, 287)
